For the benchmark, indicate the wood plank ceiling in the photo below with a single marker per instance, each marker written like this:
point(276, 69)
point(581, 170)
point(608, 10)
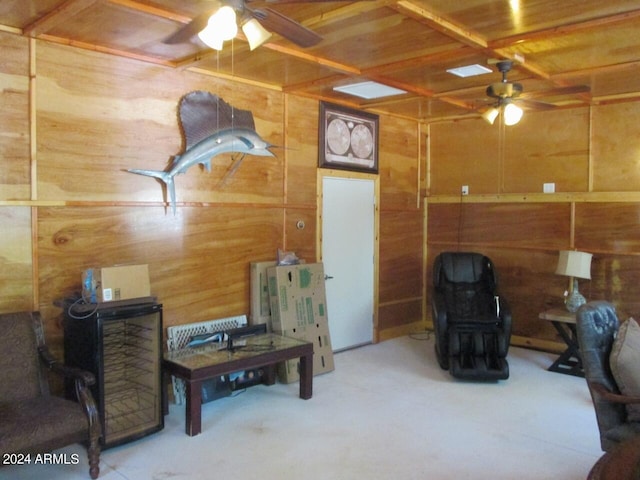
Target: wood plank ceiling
point(593, 45)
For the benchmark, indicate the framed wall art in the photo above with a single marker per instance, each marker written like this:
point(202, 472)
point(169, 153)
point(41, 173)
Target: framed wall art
point(348, 139)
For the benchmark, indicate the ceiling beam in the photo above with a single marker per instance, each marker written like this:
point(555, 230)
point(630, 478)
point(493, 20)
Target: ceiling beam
point(521, 62)
point(616, 98)
point(410, 63)
point(423, 92)
point(333, 79)
point(303, 55)
point(8, 29)
point(102, 49)
point(437, 22)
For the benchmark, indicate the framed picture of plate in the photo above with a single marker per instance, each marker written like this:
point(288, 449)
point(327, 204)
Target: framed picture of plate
point(348, 139)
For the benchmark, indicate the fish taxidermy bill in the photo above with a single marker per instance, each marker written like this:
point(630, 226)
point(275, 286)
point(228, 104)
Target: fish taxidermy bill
point(211, 126)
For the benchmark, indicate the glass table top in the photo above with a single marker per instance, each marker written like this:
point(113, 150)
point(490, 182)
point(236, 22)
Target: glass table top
point(217, 353)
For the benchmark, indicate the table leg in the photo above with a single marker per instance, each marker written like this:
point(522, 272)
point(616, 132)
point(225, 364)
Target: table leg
point(193, 421)
point(269, 374)
point(166, 378)
point(306, 376)
point(570, 360)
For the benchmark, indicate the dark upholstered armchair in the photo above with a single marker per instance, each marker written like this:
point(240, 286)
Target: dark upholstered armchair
point(31, 420)
point(472, 323)
point(597, 326)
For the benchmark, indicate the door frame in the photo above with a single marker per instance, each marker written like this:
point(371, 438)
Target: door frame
point(321, 174)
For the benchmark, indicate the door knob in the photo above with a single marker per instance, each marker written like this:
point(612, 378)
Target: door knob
point(328, 277)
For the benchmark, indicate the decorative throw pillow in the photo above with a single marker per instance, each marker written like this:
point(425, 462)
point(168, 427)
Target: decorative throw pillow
point(625, 364)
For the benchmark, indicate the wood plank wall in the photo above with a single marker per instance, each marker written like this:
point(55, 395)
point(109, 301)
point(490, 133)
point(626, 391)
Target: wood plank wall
point(74, 120)
point(593, 157)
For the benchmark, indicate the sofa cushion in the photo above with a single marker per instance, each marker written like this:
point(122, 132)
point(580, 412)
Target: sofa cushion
point(625, 364)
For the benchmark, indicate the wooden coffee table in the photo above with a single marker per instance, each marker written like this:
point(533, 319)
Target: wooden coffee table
point(197, 364)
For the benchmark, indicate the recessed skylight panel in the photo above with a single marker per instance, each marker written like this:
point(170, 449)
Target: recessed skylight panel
point(469, 70)
point(369, 90)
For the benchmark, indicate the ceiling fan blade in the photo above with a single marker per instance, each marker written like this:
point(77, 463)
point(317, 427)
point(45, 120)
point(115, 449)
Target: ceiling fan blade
point(535, 105)
point(287, 27)
point(568, 90)
point(189, 30)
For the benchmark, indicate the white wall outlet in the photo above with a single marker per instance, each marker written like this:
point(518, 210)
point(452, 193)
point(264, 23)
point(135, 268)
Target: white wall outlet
point(548, 188)
point(465, 190)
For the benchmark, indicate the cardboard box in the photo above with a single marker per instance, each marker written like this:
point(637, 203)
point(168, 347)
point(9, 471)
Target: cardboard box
point(297, 295)
point(318, 334)
point(116, 283)
point(298, 310)
point(259, 290)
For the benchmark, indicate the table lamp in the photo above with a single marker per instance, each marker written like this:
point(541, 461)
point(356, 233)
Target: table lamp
point(572, 263)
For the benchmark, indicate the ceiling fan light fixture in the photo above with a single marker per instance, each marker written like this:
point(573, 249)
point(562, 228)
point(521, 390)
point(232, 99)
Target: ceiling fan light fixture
point(220, 27)
point(211, 40)
point(256, 34)
point(512, 114)
point(490, 115)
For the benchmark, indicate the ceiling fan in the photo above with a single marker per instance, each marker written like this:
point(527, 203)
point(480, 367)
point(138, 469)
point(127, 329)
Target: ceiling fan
point(508, 94)
point(504, 92)
point(221, 23)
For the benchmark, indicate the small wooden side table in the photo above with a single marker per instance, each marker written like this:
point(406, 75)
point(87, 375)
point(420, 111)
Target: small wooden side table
point(569, 361)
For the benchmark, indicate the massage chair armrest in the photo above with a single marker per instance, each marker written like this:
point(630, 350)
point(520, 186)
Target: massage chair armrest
point(505, 315)
point(439, 312)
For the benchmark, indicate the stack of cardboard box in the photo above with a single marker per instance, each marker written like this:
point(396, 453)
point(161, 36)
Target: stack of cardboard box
point(298, 309)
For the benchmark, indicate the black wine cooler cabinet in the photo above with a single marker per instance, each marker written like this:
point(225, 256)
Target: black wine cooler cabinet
point(121, 344)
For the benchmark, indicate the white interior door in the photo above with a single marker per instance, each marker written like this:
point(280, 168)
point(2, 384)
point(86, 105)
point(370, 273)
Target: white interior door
point(348, 239)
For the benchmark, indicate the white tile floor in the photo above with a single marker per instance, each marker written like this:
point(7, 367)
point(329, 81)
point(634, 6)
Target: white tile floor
point(386, 412)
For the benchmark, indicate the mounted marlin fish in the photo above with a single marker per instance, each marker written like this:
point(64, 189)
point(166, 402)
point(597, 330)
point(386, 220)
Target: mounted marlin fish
point(211, 127)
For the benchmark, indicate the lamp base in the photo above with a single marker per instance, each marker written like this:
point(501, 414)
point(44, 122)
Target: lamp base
point(575, 299)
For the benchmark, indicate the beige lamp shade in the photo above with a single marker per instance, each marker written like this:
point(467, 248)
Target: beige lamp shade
point(490, 115)
point(572, 263)
point(255, 33)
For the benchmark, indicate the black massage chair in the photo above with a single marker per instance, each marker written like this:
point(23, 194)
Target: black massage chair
point(472, 322)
